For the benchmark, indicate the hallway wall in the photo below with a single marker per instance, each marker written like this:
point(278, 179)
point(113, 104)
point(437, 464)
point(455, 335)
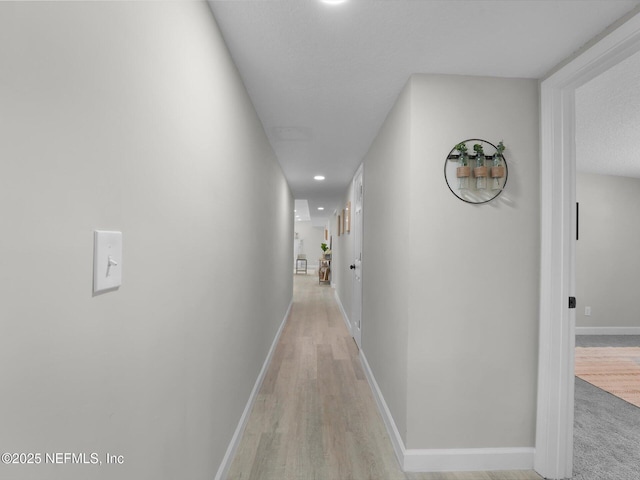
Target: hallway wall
point(131, 116)
point(606, 269)
point(451, 289)
point(343, 256)
point(473, 344)
point(311, 238)
point(386, 257)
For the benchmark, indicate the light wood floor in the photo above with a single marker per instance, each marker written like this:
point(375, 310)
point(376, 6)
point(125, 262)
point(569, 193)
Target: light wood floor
point(315, 417)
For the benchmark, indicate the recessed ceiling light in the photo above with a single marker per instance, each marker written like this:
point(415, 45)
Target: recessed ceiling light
point(318, 177)
point(320, 208)
point(333, 2)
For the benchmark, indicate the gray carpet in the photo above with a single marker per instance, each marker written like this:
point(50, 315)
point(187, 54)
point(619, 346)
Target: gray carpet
point(606, 428)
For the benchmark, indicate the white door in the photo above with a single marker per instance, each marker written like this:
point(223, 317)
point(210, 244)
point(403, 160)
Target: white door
point(356, 266)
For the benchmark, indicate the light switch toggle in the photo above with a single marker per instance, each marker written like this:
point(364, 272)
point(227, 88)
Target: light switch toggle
point(111, 263)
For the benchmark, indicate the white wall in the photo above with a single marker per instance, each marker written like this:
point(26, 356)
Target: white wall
point(386, 258)
point(451, 289)
point(343, 256)
point(475, 270)
point(311, 238)
point(131, 116)
point(607, 260)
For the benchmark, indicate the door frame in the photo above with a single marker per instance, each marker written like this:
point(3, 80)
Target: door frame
point(554, 429)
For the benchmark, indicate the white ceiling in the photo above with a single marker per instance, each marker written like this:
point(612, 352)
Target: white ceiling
point(323, 78)
point(608, 121)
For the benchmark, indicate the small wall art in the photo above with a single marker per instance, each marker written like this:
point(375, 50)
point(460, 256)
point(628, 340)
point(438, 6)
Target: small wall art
point(347, 218)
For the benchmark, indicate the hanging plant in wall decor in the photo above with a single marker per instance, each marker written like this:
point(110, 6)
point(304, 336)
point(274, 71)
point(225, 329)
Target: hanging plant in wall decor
point(498, 170)
point(459, 166)
point(464, 170)
point(480, 172)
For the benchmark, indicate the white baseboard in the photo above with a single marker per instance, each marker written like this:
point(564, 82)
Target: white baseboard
point(607, 330)
point(446, 460)
point(392, 429)
point(468, 459)
point(345, 317)
point(223, 470)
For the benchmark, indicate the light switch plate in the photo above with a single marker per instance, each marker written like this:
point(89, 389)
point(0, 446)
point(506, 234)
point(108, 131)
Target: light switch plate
point(107, 260)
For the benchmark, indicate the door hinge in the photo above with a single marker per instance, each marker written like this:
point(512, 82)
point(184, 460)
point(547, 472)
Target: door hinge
point(572, 302)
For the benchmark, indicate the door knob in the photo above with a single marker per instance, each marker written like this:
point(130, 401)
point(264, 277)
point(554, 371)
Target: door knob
point(352, 267)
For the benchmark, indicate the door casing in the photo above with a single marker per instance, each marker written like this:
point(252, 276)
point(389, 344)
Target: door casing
point(554, 429)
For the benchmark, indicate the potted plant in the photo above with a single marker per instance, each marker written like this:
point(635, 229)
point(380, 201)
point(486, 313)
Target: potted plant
point(325, 251)
point(497, 170)
point(463, 171)
point(480, 172)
